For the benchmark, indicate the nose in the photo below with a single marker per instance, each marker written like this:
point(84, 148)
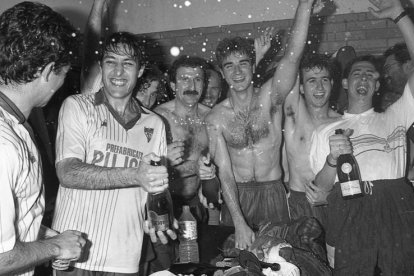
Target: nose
point(119, 69)
point(237, 69)
point(319, 85)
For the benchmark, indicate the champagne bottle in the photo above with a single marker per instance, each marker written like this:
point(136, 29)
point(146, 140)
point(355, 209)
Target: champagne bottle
point(211, 190)
point(160, 208)
point(348, 174)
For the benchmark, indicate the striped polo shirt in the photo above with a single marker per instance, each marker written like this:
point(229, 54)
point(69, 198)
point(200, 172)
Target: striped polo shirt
point(21, 197)
point(90, 130)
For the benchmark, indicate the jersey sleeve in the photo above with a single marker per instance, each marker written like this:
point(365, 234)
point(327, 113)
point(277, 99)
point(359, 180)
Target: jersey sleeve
point(70, 138)
point(9, 161)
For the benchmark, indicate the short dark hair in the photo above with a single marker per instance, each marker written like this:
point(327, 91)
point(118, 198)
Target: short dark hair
point(131, 46)
point(187, 61)
point(368, 58)
point(320, 61)
point(229, 46)
point(400, 52)
point(32, 35)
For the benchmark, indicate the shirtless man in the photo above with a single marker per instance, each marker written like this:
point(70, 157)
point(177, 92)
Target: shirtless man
point(186, 131)
point(245, 131)
point(303, 114)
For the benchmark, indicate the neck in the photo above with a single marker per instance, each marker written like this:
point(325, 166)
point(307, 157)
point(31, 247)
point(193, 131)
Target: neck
point(20, 95)
point(359, 106)
point(319, 113)
point(120, 105)
point(241, 99)
point(184, 110)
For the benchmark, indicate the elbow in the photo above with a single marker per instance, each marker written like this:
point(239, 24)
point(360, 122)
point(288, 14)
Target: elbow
point(64, 173)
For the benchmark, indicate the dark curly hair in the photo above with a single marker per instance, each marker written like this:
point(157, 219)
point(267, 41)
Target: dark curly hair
point(229, 46)
point(130, 44)
point(320, 61)
point(32, 35)
point(187, 61)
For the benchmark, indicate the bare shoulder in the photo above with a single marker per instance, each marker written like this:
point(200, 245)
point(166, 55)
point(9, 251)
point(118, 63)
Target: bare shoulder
point(165, 109)
point(203, 110)
point(220, 113)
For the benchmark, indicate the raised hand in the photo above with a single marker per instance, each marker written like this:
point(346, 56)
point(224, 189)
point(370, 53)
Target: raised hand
point(262, 43)
point(318, 5)
point(386, 8)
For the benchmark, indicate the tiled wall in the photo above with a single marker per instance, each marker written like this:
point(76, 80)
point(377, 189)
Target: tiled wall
point(360, 30)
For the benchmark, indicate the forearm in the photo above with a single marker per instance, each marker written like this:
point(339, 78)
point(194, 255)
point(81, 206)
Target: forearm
point(25, 256)
point(406, 27)
point(231, 198)
point(298, 34)
point(93, 34)
point(325, 179)
point(75, 174)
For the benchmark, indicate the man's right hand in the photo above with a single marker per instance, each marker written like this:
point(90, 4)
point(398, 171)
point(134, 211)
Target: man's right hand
point(244, 236)
point(340, 144)
point(68, 245)
point(153, 179)
point(175, 152)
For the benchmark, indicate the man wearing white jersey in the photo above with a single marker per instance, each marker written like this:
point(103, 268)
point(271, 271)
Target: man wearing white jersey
point(104, 146)
point(32, 69)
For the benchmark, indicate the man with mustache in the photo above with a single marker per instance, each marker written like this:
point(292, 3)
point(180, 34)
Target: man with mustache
point(186, 136)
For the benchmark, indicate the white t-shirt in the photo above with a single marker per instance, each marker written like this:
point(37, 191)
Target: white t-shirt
point(21, 186)
point(112, 219)
point(378, 140)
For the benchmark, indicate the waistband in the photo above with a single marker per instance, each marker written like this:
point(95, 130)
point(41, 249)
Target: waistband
point(259, 184)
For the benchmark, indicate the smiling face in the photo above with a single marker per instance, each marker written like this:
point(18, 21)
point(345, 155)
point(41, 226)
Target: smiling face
point(213, 91)
point(316, 87)
point(189, 85)
point(119, 74)
point(362, 81)
point(147, 94)
point(237, 70)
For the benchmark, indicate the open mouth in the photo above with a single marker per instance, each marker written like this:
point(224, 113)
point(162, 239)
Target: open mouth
point(362, 90)
point(319, 95)
point(118, 82)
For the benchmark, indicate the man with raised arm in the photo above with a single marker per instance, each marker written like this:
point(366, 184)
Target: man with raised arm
point(245, 132)
point(306, 108)
point(37, 48)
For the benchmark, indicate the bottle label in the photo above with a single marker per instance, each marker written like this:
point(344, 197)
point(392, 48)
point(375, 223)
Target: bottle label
point(188, 230)
point(346, 168)
point(159, 222)
point(350, 188)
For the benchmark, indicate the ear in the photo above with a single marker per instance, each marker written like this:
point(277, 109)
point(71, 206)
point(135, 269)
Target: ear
point(222, 74)
point(408, 67)
point(377, 85)
point(141, 71)
point(47, 71)
point(172, 85)
point(345, 84)
point(301, 89)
